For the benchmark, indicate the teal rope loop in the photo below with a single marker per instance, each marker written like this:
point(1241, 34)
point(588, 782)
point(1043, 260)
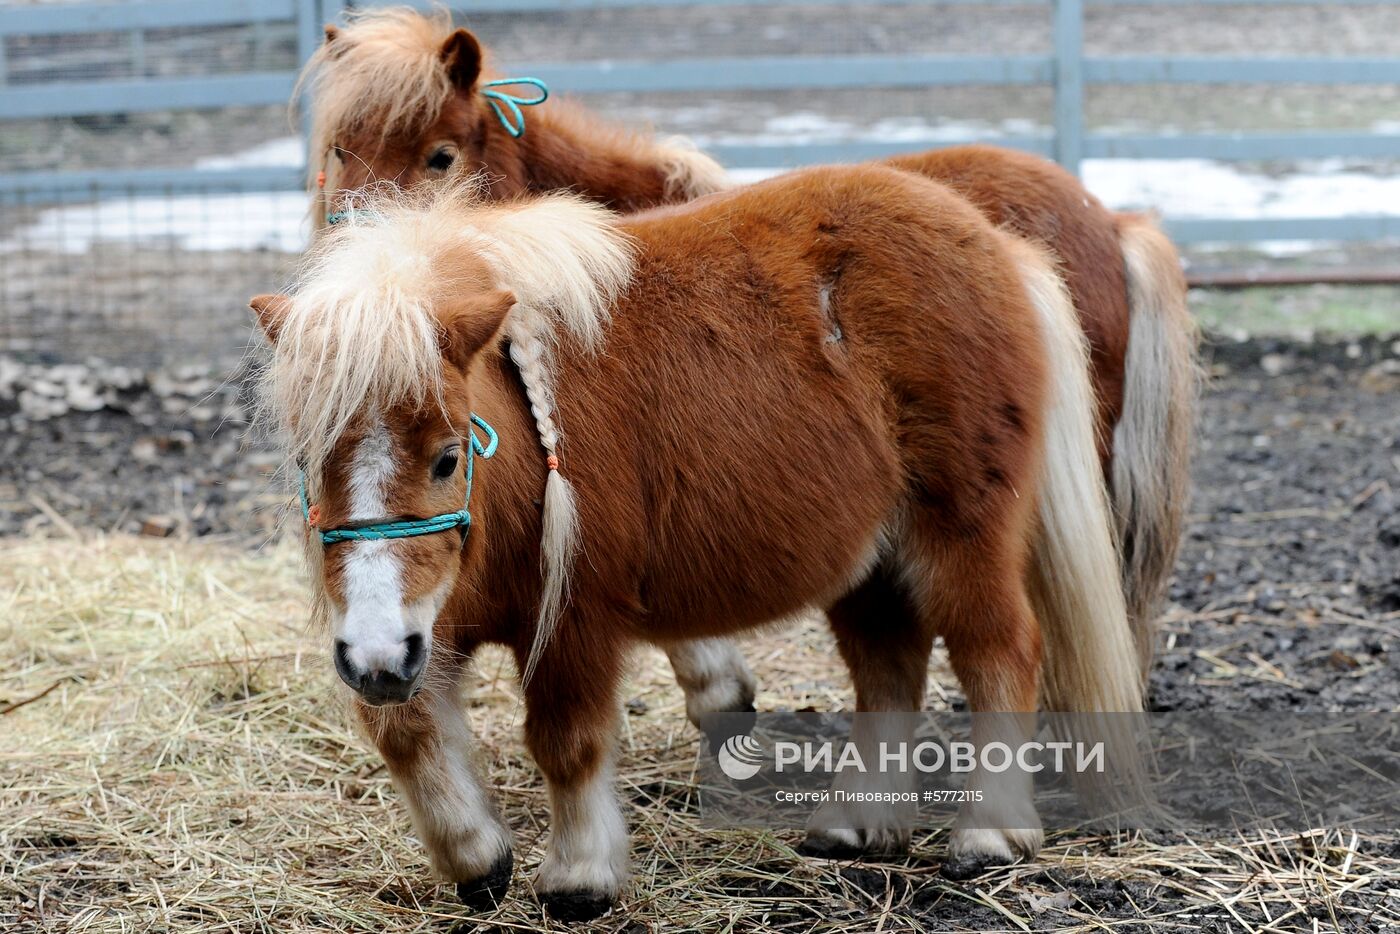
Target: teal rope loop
point(411, 528)
point(511, 117)
point(349, 214)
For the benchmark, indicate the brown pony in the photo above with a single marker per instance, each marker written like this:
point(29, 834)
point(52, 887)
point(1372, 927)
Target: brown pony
point(399, 96)
point(841, 389)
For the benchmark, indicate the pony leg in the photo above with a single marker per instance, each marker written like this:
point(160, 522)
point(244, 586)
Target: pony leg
point(714, 676)
point(571, 728)
point(426, 745)
point(977, 602)
point(886, 647)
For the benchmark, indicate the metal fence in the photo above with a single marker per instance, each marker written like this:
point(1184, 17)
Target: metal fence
point(269, 39)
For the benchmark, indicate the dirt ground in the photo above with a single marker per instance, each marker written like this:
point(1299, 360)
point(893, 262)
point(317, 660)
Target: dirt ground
point(1287, 598)
point(1287, 593)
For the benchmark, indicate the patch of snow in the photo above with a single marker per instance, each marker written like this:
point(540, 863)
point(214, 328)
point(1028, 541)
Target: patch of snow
point(808, 126)
point(244, 221)
point(288, 151)
point(1200, 188)
point(1177, 188)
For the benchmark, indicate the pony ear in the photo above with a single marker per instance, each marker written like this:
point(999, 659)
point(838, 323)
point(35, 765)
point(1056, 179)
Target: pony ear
point(461, 53)
point(271, 311)
point(334, 47)
point(470, 324)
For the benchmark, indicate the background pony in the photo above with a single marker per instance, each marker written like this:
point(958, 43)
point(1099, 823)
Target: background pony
point(400, 96)
point(840, 389)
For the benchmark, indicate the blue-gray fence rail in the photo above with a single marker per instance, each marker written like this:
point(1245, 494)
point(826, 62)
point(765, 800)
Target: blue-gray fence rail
point(1066, 69)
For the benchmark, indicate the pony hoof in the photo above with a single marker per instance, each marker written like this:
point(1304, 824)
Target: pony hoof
point(845, 844)
point(583, 905)
point(721, 726)
point(487, 893)
point(967, 865)
point(829, 846)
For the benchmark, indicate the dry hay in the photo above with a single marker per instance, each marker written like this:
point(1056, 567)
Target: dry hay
point(176, 759)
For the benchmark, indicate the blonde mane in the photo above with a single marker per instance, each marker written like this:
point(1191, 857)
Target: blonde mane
point(384, 70)
point(361, 333)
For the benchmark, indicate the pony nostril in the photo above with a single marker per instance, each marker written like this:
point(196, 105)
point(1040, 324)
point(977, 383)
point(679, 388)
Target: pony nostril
point(415, 653)
point(347, 672)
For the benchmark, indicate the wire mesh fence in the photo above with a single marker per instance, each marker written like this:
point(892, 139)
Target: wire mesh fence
point(140, 277)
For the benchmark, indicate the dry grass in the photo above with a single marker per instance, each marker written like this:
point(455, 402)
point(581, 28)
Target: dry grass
point(176, 759)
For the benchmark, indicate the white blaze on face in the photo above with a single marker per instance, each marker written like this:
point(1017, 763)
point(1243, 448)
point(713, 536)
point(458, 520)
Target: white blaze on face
point(374, 621)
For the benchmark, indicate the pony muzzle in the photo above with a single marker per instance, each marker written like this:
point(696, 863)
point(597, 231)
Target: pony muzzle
point(383, 674)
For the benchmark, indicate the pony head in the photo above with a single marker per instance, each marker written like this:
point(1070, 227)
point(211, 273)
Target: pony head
point(374, 358)
point(399, 98)
point(405, 98)
point(373, 393)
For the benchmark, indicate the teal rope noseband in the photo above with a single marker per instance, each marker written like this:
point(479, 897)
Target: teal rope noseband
point(411, 528)
point(515, 122)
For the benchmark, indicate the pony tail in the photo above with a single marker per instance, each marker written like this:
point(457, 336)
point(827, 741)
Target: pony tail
point(689, 173)
point(559, 519)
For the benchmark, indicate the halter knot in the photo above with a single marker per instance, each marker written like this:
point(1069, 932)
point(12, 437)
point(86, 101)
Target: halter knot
point(410, 528)
point(351, 214)
point(511, 117)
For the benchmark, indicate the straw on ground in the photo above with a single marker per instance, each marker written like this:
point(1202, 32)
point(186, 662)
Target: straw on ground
point(176, 758)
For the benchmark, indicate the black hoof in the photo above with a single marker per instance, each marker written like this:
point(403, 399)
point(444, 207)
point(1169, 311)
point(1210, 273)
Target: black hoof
point(486, 893)
point(824, 847)
point(723, 724)
point(576, 906)
point(960, 868)
point(820, 846)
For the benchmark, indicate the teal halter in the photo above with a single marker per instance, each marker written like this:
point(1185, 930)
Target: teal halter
point(515, 122)
point(411, 528)
point(336, 217)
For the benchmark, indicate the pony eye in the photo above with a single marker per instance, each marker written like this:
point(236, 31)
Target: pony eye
point(442, 159)
point(446, 465)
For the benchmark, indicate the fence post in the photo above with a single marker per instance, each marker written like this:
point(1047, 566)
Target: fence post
point(137, 43)
point(308, 39)
point(1069, 83)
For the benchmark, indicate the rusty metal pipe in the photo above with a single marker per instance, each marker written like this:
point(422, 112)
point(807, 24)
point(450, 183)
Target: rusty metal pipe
point(1248, 278)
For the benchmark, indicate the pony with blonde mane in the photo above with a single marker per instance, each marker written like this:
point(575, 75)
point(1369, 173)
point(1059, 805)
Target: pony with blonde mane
point(400, 96)
point(705, 363)
point(394, 100)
